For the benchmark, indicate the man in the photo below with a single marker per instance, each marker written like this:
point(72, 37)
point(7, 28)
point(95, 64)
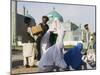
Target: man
point(45, 27)
point(85, 38)
point(44, 24)
point(92, 41)
point(28, 40)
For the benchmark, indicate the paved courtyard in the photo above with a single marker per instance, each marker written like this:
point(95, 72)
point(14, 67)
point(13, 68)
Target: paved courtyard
point(17, 64)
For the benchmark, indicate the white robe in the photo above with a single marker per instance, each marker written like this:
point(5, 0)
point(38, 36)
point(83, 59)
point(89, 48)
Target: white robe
point(27, 49)
point(54, 55)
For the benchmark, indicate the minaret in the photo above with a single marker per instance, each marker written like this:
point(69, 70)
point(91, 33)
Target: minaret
point(24, 10)
point(27, 12)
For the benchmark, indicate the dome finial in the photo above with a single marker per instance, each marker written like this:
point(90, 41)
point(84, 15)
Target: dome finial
point(53, 8)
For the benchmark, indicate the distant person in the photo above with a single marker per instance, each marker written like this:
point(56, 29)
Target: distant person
point(92, 41)
point(85, 38)
point(45, 27)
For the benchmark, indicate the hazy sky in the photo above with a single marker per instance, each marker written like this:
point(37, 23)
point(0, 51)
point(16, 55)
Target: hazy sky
point(78, 14)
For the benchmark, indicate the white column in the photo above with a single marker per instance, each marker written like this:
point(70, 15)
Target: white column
point(13, 22)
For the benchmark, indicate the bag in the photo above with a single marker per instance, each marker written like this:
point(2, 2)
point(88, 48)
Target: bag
point(36, 29)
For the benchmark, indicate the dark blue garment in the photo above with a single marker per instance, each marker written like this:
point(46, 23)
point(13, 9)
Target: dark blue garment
point(73, 57)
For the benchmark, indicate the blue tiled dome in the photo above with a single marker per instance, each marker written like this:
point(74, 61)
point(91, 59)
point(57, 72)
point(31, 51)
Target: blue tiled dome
point(54, 14)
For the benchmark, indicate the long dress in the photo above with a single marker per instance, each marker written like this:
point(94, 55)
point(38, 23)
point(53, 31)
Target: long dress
point(53, 55)
point(45, 44)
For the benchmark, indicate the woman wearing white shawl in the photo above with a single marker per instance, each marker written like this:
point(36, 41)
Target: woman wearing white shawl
point(53, 55)
point(45, 42)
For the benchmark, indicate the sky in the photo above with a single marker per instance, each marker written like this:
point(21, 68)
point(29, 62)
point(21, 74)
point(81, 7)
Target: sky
point(79, 14)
